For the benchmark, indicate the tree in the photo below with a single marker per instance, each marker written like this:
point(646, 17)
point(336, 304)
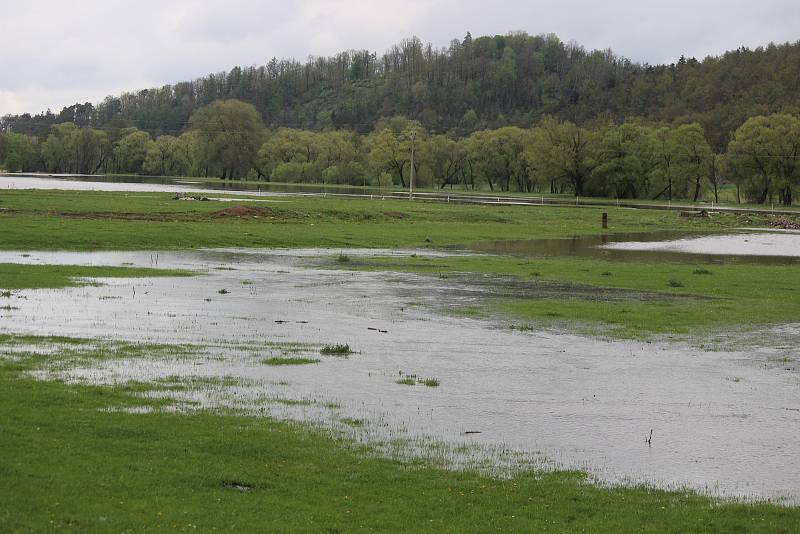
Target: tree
point(20, 152)
point(229, 134)
point(693, 157)
point(58, 149)
point(627, 155)
point(764, 157)
point(561, 152)
point(497, 156)
point(389, 146)
point(131, 151)
point(445, 160)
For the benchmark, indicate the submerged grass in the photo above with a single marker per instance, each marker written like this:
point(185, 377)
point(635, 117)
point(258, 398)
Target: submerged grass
point(336, 350)
point(665, 298)
point(80, 458)
point(289, 361)
point(17, 276)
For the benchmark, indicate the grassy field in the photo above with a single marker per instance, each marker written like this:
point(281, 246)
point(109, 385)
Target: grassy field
point(68, 462)
point(659, 298)
point(18, 276)
point(75, 457)
point(52, 220)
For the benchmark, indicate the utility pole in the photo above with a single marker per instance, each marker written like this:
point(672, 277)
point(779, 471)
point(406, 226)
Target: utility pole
point(411, 181)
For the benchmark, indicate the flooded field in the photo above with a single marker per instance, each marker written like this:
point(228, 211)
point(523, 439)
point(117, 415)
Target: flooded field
point(752, 246)
point(149, 184)
point(723, 421)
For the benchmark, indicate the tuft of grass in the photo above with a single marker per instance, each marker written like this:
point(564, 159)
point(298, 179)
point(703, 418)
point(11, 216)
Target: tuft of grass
point(413, 380)
point(701, 271)
point(343, 258)
point(673, 282)
point(336, 350)
point(355, 423)
point(223, 291)
point(289, 361)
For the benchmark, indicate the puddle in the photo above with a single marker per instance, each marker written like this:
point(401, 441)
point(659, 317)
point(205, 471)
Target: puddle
point(723, 422)
point(769, 245)
point(768, 248)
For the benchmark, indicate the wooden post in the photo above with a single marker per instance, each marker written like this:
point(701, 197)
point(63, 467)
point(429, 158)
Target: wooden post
point(605, 220)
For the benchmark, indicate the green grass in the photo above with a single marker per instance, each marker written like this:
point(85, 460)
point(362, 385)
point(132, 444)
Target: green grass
point(67, 462)
point(17, 276)
point(336, 350)
point(678, 298)
point(52, 220)
point(71, 464)
point(289, 361)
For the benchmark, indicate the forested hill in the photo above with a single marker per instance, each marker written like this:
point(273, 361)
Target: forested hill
point(485, 82)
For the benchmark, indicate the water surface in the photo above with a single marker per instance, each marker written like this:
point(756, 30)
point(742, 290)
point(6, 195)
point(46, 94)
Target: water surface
point(724, 422)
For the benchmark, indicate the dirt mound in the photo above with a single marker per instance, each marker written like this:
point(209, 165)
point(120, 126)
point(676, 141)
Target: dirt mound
point(395, 214)
point(785, 223)
point(241, 211)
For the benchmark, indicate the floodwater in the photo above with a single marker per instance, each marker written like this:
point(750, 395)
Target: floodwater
point(724, 422)
point(783, 244)
point(751, 246)
point(150, 184)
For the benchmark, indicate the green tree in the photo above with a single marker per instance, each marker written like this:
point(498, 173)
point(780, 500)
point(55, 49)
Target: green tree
point(626, 156)
point(229, 134)
point(764, 157)
point(20, 152)
point(131, 151)
point(389, 147)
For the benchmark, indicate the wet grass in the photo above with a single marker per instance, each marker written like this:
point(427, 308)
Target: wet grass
point(289, 361)
point(77, 458)
point(665, 298)
point(413, 380)
point(336, 350)
point(16, 276)
point(90, 220)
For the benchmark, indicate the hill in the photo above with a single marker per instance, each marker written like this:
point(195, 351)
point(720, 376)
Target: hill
point(474, 84)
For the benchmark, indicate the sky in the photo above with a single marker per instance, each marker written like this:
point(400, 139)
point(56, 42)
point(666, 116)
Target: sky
point(54, 53)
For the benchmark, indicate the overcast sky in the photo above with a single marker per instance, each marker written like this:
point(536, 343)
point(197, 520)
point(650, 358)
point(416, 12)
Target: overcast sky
point(57, 52)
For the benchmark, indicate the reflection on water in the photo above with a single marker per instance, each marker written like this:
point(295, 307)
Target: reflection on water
point(675, 247)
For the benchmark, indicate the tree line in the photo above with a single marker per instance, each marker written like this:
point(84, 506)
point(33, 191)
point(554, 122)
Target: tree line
point(473, 84)
point(635, 159)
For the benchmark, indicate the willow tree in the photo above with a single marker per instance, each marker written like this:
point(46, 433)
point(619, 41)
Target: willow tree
point(764, 157)
point(228, 135)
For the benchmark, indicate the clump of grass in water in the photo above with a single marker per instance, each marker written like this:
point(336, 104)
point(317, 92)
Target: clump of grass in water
point(674, 283)
point(702, 271)
point(223, 291)
point(342, 258)
point(356, 423)
point(289, 361)
point(336, 350)
point(413, 380)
